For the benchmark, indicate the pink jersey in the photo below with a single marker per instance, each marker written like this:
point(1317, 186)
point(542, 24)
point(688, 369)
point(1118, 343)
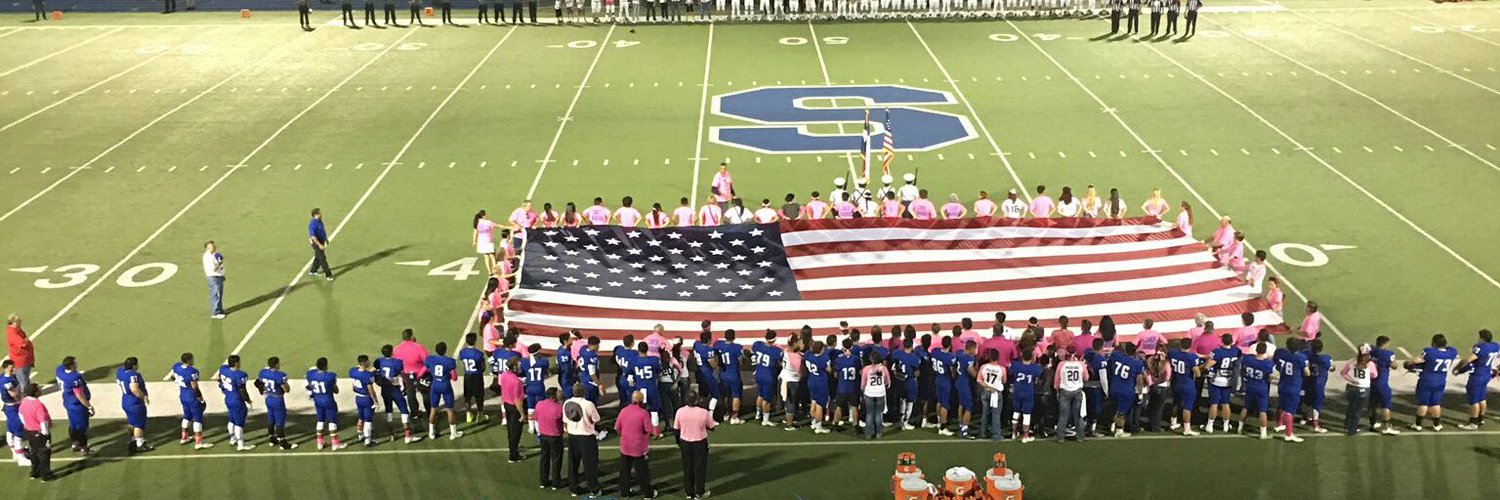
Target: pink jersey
point(628, 216)
point(1148, 341)
point(953, 210)
point(1041, 206)
point(767, 215)
point(844, 210)
point(921, 209)
point(550, 219)
point(654, 342)
point(815, 209)
point(985, 208)
point(1246, 338)
point(683, 216)
point(486, 229)
point(656, 219)
point(722, 187)
point(710, 215)
point(597, 215)
point(1311, 324)
point(523, 217)
point(890, 209)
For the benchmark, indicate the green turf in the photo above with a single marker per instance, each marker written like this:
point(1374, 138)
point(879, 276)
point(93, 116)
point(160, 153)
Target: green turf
point(1413, 204)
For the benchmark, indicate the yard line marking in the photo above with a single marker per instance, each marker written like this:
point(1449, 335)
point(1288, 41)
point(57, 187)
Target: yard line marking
point(194, 202)
point(1337, 150)
point(101, 82)
point(142, 169)
point(1400, 53)
point(373, 185)
point(1170, 170)
point(1340, 174)
point(708, 58)
point(823, 65)
point(18, 169)
point(45, 170)
point(59, 52)
point(977, 121)
point(568, 115)
point(1367, 149)
point(1398, 149)
point(143, 128)
point(1377, 102)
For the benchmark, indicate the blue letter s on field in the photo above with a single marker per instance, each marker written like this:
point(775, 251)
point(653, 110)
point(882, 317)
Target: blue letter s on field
point(782, 117)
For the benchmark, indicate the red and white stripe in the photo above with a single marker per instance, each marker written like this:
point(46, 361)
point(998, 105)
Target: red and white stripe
point(877, 272)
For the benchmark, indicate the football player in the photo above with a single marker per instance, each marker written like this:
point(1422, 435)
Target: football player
point(321, 386)
point(191, 398)
point(443, 370)
point(232, 383)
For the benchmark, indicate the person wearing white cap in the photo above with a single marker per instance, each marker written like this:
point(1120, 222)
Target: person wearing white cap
point(908, 192)
point(1012, 208)
point(868, 207)
point(861, 188)
point(887, 180)
point(838, 188)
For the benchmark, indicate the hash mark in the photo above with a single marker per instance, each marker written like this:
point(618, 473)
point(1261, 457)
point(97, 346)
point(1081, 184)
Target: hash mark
point(1398, 149)
point(359, 166)
point(17, 169)
point(1092, 155)
point(265, 168)
point(1214, 151)
point(142, 169)
point(1274, 150)
point(205, 167)
point(1429, 148)
point(483, 164)
point(328, 166)
point(1337, 150)
point(107, 170)
point(1246, 151)
point(45, 170)
point(452, 163)
point(298, 167)
point(513, 162)
point(420, 165)
point(1367, 149)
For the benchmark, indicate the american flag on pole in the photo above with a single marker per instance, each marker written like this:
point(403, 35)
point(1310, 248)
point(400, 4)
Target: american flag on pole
point(611, 281)
point(864, 148)
point(888, 151)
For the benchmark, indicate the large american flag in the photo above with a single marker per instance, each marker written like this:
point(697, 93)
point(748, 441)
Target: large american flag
point(611, 281)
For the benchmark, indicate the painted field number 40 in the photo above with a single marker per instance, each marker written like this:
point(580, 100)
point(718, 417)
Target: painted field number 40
point(458, 270)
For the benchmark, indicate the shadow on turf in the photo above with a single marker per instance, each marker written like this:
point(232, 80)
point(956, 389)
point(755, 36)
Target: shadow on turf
point(337, 271)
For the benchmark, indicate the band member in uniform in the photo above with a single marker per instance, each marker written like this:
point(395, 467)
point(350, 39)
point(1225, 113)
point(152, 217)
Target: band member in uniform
point(1192, 18)
point(530, 9)
point(447, 10)
point(484, 12)
point(370, 14)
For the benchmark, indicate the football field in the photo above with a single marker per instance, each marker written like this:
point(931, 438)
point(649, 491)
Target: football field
point(1353, 140)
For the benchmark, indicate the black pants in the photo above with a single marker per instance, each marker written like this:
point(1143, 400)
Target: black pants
point(1133, 22)
point(417, 408)
point(39, 8)
point(1155, 22)
point(1192, 23)
point(303, 12)
point(447, 9)
point(390, 14)
point(650, 11)
point(531, 10)
point(513, 430)
point(484, 13)
point(1154, 407)
point(1171, 23)
point(1357, 397)
point(552, 459)
point(370, 15)
point(694, 467)
point(635, 470)
point(416, 15)
point(474, 391)
point(1114, 21)
point(583, 451)
point(39, 453)
point(347, 13)
point(515, 12)
point(169, 6)
point(320, 259)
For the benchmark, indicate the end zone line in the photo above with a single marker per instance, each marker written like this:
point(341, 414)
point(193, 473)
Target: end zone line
point(111, 78)
point(373, 185)
point(568, 115)
point(1372, 99)
point(1331, 168)
point(1025, 193)
point(823, 65)
point(708, 59)
point(59, 52)
point(1459, 31)
point(1387, 48)
point(267, 57)
point(211, 187)
point(1170, 170)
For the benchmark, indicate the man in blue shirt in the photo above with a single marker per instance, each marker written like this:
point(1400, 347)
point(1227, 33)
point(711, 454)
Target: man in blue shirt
point(392, 391)
point(318, 237)
point(76, 396)
point(963, 378)
point(10, 395)
point(323, 384)
point(363, 376)
point(236, 399)
point(191, 397)
point(625, 354)
point(1024, 374)
point(471, 361)
point(904, 366)
point(443, 370)
point(133, 399)
point(1432, 378)
point(567, 371)
point(1225, 358)
point(730, 385)
point(942, 382)
point(1313, 387)
point(272, 383)
point(816, 363)
point(708, 375)
point(1480, 363)
point(1126, 375)
point(1380, 387)
point(1093, 388)
point(767, 360)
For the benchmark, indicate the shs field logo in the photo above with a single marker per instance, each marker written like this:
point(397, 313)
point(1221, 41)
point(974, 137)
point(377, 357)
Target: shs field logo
point(830, 119)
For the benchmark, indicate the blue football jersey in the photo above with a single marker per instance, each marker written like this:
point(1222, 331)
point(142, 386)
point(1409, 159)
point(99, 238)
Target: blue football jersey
point(442, 369)
point(71, 382)
point(126, 379)
point(272, 381)
point(472, 360)
point(364, 382)
point(231, 382)
point(321, 383)
point(185, 376)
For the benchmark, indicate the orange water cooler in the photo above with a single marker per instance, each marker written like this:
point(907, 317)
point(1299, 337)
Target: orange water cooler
point(959, 482)
point(1001, 483)
point(906, 471)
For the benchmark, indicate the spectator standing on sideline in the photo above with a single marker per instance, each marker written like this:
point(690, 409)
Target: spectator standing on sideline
point(318, 236)
point(636, 431)
point(22, 351)
point(692, 424)
point(579, 417)
point(549, 428)
point(413, 357)
point(1358, 372)
point(213, 268)
point(511, 399)
point(38, 423)
point(875, 378)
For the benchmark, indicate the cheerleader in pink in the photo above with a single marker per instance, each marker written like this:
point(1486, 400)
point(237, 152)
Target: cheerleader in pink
point(571, 217)
point(1185, 219)
point(549, 217)
point(984, 206)
point(683, 215)
point(484, 238)
point(890, 208)
point(710, 214)
point(953, 209)
point(1155, 206)
point(1233, 254)
point(656, 219)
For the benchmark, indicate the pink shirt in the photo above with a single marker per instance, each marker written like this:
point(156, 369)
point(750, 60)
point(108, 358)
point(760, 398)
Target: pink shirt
point(486, 229)
point(767, 215)
point(1205, 344)
point(969, 336)
point(1149, 340)
point(491, 338)
point(844, 210)
point(683, 216)
point(654, 341)
point(1155, 209)
point(1041, 206)
point(1224, 235)
point(1246, 338)
point(1276, 298)
point(1004, 349)
point(550, 219)
point(710, 215)
point(34, 413)
point(953, 210)
point(1356, 377)
point(922, 209)
point(984, 208)
point(1060, 338)
point(628, 216)
point(413, 357)
point(597, 215)
point(693, 423)
point(656, 220)
point(548, 418)
point(1082, 343)
point(874, 379)
point(510, 388)
point(523, 217)
point(1311, 324)
point(723, 187)
point(636, 431)
point(890, 209)
point(1182, 222)
point(815, 209)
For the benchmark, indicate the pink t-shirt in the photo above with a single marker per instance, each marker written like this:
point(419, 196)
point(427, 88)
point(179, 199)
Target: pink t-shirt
point(548, 418)
point(815, 209)
point(510, 388)
point(890, 209)
point(1246, 338)
point(1082, 343)
point(33, 413)
point(953, 210)
point(1224, 235)
point(1041, 206)
point(710, 215)
point(984, 208)
point(1205, 344)
point(683, 216)
point(656, 220)
point(1182, 222)
point(491, 338)
point(1004, 348)
point(413, 357)
point(523, 217)
point(636, 431)
point(1060, 338)
point(596, 215)
point(1148, 341)
point(922, 209)
point(654, 341)
point(486, 229)
point(1276, 298)
point(1155, 209)
point(969, 336)
point(723, 186)
point(693, 423)
point(628, 216)
point(766, 215)
point(1311, 324)
point(844, 210)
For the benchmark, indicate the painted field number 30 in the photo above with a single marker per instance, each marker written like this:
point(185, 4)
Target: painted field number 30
point(151, 273)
